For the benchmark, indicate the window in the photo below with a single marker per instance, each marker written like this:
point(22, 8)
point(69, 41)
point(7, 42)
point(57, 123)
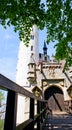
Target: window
point(40, 55)
point(31, 48)
point(45, 58)
point(32, 37)
point(31, 65)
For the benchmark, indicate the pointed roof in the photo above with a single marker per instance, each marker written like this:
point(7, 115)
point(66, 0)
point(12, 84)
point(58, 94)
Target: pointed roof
point(44, 47)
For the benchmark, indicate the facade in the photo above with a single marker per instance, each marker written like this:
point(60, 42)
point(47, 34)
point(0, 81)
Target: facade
point(43, 76)
point(52, 81)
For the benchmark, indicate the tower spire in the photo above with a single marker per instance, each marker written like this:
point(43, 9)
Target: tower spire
point(45, 48)
point(45, 51)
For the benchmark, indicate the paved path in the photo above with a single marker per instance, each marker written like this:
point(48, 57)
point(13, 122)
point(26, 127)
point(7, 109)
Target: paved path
point(58, 121)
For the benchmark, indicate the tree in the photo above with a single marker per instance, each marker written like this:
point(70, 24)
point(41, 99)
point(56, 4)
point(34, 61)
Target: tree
point(55, 15)
point(2, 109)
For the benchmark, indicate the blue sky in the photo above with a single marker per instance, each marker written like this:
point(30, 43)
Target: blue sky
point(9, 46)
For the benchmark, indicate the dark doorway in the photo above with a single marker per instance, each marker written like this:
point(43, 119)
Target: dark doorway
point(55, 98)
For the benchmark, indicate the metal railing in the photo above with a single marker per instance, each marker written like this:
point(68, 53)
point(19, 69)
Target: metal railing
point(11, 106)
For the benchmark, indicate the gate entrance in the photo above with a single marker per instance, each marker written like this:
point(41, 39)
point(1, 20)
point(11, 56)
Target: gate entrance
point(55, 98)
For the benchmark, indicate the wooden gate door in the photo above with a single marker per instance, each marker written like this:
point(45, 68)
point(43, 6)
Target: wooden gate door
point(55, 98)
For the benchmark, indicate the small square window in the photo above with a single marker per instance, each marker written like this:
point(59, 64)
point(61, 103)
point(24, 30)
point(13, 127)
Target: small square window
point(32, 37)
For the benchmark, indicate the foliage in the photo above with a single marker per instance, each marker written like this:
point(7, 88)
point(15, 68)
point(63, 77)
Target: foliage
point(1, 95)
point(22, 15)
point(1, 124)
point(56, 16)
point(2, 104)
point(1, 109)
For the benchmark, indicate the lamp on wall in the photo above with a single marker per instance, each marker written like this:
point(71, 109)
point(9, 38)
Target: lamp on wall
point(37, 93)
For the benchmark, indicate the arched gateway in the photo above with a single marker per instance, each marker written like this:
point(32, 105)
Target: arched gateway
point(55, 98)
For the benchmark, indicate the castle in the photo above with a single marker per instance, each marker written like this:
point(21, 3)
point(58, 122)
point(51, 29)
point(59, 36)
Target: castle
point(41, 75)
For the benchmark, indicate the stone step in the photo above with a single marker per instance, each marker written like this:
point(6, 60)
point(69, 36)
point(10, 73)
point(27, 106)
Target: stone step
point(58, 121)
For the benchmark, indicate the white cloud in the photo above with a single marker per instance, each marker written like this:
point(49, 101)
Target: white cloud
point(8, 36)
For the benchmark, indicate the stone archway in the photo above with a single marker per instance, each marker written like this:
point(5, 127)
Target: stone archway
point(55, 98)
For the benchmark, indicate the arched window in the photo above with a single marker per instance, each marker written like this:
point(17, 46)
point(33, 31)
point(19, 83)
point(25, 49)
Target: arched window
point(40, 56)
point(31, 48)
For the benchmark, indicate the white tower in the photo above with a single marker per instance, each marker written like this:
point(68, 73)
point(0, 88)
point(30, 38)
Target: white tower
point(34, 44)
point(24, 57)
